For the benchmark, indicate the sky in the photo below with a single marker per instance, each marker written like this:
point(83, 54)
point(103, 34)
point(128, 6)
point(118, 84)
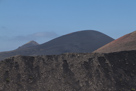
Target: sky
point(42, 20)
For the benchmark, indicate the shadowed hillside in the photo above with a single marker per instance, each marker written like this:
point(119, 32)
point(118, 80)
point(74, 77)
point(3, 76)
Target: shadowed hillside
point(124, 43)
point(70, 72)
point(77, 42)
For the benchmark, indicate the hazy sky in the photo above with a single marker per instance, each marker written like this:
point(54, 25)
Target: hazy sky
point(43, 20)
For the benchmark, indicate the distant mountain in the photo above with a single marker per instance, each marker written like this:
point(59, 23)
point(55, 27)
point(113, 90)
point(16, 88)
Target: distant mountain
point(70, 72)
point(124, 43)
point(78, 42)
point(29, 44)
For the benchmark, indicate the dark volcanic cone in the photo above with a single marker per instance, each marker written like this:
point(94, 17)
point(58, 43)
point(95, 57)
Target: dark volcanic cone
point(78, 42)
point(124, 43)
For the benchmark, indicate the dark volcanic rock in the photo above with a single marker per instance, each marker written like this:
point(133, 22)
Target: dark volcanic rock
point(70, 72)
point(78, 42)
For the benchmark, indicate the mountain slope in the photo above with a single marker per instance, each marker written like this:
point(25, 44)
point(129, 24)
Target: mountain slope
point(29, 44)
point(77, 42)
point(70, 72)
point(124, 43)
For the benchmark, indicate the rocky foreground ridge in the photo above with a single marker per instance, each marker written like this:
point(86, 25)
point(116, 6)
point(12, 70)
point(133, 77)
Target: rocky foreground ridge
point(70, 72)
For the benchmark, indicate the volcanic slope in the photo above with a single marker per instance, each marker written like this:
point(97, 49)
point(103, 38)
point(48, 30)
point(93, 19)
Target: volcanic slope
point(77, 42)
point(70, 72)
point(29, 44)
point(124, 43)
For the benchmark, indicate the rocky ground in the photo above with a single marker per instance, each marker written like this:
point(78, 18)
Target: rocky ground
point(70, 72)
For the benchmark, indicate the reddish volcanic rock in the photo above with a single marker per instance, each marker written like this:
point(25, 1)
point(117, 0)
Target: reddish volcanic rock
point(124, 43)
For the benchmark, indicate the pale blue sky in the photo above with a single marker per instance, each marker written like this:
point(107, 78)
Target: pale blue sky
point(43, 20)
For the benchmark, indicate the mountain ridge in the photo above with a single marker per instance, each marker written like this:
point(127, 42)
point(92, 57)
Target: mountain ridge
point(76, 42)
point(28, 44)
